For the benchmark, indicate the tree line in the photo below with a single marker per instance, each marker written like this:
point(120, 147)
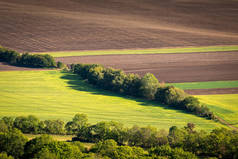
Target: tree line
point(113, 140)
point(28, 60)
point(147, 87)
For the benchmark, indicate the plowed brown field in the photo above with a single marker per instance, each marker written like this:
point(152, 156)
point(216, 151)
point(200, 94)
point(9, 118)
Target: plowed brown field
point(58, 25)
point(171, 67)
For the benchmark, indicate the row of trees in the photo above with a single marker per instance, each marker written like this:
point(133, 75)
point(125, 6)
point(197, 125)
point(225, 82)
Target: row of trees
point(28, 60)
point(147, 87)
point(14, 144)
point(32, 125)
point(114, 140)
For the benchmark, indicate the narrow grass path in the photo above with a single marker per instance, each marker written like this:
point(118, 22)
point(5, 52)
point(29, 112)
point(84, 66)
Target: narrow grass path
point(145, 51)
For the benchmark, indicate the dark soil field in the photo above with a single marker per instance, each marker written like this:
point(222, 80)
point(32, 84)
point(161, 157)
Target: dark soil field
point(212, 91)
point(173, 68)
point(60, 25)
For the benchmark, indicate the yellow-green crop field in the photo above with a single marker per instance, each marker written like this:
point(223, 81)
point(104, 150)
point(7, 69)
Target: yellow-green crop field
point(225, 106)
point(58, 95)
point(206, 85)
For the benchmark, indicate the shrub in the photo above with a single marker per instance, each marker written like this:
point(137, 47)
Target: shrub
point(170, 153)
point(13, 143)
point(60, 65)
point(27, 124)
point(4, 155)
point(170, 95)
point(27, 60)
point(149, 86)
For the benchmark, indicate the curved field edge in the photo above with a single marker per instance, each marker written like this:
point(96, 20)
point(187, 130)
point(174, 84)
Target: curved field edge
point(224, 106)
point(206, 85)
point(57, 95)
point(145, 51)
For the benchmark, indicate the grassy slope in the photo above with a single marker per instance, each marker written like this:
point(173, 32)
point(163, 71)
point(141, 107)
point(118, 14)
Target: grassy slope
point(145, 51)
point(225, 106)
point(206, 85)
point(53, 95)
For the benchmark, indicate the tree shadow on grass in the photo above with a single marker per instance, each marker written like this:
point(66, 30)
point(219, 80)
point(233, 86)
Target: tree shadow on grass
point(76, 83)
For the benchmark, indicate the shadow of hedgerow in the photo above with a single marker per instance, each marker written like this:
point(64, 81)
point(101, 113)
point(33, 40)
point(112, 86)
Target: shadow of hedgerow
point(77, 83)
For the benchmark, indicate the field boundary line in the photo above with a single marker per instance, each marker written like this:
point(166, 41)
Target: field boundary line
point(226, 123)
point(175, 50)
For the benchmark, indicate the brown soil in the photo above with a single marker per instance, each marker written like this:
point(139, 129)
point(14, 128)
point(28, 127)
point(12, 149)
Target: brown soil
point(192, 67)
point(212, 91)
point(58, 25)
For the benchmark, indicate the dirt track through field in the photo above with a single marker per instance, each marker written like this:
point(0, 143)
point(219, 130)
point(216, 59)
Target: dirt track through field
point(172, 68)
point(58, 25)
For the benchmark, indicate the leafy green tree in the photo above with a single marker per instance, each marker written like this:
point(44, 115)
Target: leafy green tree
point(54, 126)
point(3, 126)
point(96, 74)
point(9, 121)
point(105, 148)
point(220, 143)
point(146, 137)
point(78, 125)
point(60, 65)
point(176, 136)
point(35, 145)
point(45, 154)
point(109, 148)
point(13, 143)
point(108, 130)
point(80, 145)
point(132, 84)
point(62, 150)
point(170, 153)
point(4, 155)
point(149, 86)
point(27, 124)
point(45, 146)
point(194, 142)
point(171, 95)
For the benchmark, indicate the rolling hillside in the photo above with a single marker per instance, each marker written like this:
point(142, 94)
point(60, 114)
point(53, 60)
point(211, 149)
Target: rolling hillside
point(60, 25)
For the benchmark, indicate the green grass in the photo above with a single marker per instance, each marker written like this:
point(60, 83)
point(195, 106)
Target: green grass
point(206, 85)
point(88, 145)
point(225, 106)
point(145, 51)
point(55, 137)
point(56, 95)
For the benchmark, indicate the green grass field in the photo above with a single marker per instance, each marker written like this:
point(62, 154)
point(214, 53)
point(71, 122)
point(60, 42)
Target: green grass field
point(145, 51)
point(225, 106)
point(206, 85)
point(56, 95)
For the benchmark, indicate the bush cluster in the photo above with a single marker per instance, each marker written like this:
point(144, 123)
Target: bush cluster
point(147, 87)
point(113, 140)
point(32, 125)
point(27, 60)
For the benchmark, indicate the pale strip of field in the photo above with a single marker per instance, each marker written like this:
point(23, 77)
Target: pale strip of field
point(145, 51)
point(56, 95)
point(225, 106)
point(55, 137)
point(206, 85)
